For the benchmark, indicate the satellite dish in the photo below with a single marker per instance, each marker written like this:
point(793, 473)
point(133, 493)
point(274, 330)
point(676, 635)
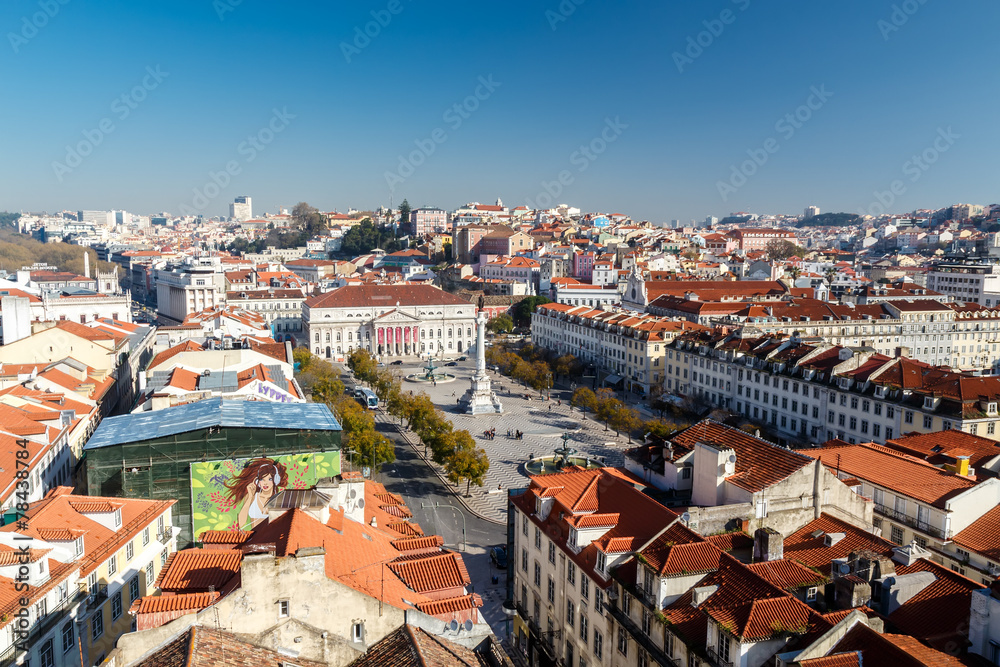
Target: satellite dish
point(468, 626)
point(352, 494)
point(732, 458)
point(361, 504)
point(453, 626)
point(686, 517)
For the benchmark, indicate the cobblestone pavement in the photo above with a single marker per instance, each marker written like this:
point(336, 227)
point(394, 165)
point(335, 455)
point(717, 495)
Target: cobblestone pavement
point(542, 428)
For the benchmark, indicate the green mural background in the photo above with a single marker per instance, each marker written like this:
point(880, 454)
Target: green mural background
point(213, 509)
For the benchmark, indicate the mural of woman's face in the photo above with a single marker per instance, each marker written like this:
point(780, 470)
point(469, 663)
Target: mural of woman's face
point(266, 483)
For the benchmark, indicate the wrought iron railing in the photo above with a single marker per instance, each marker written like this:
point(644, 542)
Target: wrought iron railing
point(912, 522)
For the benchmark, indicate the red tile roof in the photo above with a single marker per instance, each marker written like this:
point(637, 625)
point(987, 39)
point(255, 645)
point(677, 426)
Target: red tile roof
point(194, 570)
point(812, 551)
point(433, 572)
point(759, 463)
point(982, 535)
point(357, 296)
point(881, 466)
point(164, 603)
point(788, 575)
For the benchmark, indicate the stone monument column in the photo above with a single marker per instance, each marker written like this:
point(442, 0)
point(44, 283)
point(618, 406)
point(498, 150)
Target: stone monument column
point(479, 399)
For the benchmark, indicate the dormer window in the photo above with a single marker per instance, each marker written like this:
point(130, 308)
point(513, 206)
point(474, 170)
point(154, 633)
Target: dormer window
point(78, 546)
point(929, 402)
point(602, 562)
point(879, 392)
point(118, 519)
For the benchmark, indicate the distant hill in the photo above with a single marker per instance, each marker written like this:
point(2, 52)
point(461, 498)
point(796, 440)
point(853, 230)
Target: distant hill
point(17, 250)
point(9, 219)
point(830, 220)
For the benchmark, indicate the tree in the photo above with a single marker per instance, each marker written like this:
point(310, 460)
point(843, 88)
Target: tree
point(308, 219)
point(404, 214)
point(523, 311)
point(626, 420)
point(540, 377)
point(501, 324)
point(566, 365)
point(585, 399)
point(467, 462)
point(659, 428)
point(373, 449)
point(362, 364)
point(780, 249)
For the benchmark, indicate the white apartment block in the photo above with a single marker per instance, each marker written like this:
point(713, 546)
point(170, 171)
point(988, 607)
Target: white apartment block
point(970, 281)
point(623, 345)
point(814, 393)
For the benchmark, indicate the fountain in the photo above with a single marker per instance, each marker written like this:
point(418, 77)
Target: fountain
point(562, 458)
point(429, 374)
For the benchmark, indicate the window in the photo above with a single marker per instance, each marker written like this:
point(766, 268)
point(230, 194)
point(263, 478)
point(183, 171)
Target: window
point(145, 536)
point(647, 620)
point(811, 594)
point(68, 637)
point(570, 613)
point(583, 628)
point(282, 608)
point(45, 655)
point(524, 559)
point(599, 601)
point(116, 606)
point(358, 632)
point(552, 552)
point(133, 589)
point(928, 421)
point(602, 561)
point(538, 574)
point(571, 574)
point(149, 575)
point(551, 590)
point(538, 538)
point(97, 626)
point(723, 646)
point(112, 565)
point(908, 416)
point(92, 582)
point(524, 526)
point(163, 558)
point(598, 645)
point(897, 535)
point(622, 641)
point(584, 587)
point(129, 551)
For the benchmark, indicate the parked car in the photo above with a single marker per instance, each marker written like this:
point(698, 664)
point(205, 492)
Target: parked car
point(462, 358)
point(498, 555)
point(398, 362)
point(452, 363)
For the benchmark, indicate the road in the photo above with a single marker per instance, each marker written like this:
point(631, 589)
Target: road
point(420, 487)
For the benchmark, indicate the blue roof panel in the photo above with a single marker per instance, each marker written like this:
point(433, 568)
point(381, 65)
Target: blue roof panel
point(212, 412)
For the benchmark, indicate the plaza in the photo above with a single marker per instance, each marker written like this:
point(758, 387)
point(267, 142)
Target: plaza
point(541, 422)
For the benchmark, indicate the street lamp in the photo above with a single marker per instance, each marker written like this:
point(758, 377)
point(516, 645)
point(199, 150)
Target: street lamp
point(465, 544)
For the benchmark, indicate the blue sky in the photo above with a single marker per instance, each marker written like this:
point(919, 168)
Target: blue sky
point(669, 125)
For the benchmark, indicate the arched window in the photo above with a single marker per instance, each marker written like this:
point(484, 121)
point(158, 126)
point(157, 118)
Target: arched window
point(350, 336)
point(338, 336)
point(327, 336)
point(316, 339)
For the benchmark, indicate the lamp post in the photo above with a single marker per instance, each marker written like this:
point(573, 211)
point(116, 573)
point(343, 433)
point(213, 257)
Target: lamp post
point(460, 513)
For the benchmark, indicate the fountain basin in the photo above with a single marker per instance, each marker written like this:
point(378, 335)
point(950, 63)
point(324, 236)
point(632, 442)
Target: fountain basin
point(437, 377)
point(546, 465)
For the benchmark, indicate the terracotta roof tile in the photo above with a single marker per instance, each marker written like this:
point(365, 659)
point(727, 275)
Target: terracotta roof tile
point(156, 604)
point(432, 572)
point(196, 570)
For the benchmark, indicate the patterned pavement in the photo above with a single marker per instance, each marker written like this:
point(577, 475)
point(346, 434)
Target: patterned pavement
point(541, 426)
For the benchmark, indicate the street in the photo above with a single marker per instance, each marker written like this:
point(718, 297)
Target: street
point(413, 479)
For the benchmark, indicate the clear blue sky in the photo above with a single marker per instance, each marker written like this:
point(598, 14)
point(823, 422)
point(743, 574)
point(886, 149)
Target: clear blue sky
point(891, 93)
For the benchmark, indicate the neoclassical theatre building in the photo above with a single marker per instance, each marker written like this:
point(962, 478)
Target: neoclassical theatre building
point(389, 321)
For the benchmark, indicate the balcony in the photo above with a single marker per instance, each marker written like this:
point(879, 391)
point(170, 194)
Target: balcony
point(912, 522)
point(44, 625)
point(713, 655)
point(645, 641)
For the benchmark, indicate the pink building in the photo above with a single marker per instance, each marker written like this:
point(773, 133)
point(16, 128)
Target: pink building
point(428, 221)
point(583, 265)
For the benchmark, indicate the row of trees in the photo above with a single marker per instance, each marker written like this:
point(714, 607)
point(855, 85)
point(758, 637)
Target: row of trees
point(455, 450)
point(615, 414)
point(533, 366)
point(320, 377)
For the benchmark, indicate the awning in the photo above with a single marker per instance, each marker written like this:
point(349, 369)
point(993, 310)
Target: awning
point(613, 379)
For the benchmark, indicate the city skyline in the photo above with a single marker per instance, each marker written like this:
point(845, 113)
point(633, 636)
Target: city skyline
point(677, 113)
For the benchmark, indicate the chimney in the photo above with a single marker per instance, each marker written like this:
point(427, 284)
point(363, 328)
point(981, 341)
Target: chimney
point(768, 545)
point(962, 466)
